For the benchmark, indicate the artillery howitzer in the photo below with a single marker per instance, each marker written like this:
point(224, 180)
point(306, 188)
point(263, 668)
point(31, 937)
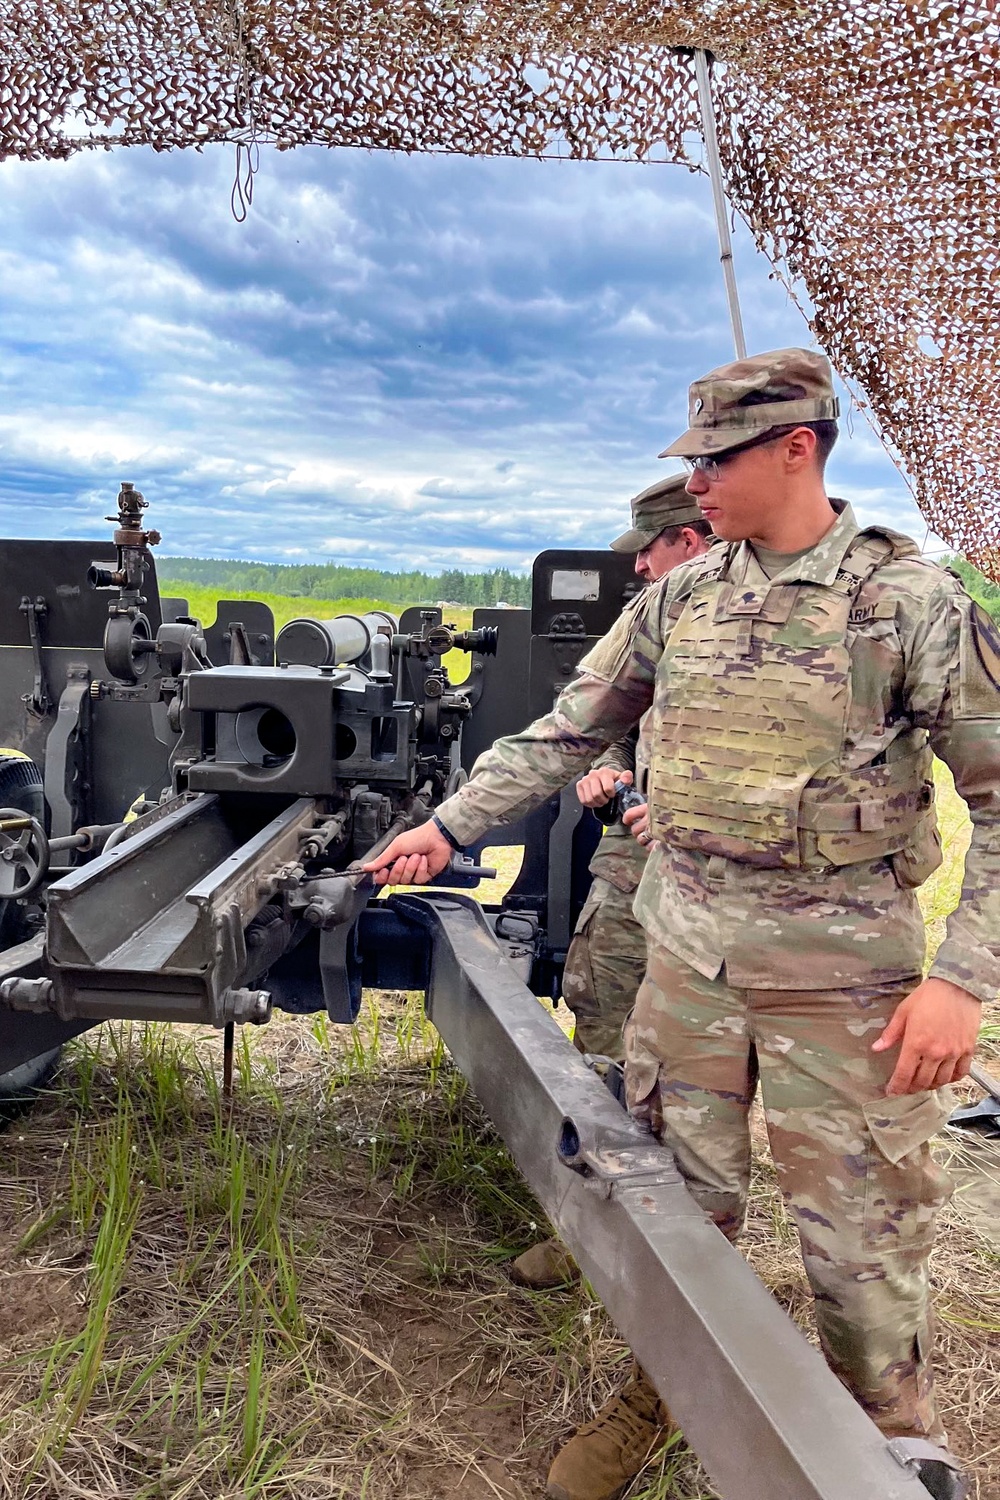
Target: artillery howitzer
point(261, 770)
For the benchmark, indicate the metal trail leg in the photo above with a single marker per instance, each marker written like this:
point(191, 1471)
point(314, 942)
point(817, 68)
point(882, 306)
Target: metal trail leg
point(759, 1406)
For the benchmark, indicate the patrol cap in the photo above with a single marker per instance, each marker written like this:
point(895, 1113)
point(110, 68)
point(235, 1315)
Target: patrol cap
point(741, 401)
point(665, 503)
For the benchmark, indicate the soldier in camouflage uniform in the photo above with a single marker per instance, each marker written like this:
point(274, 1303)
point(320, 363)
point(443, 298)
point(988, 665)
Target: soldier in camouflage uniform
point(607, 957)
point(800, 678)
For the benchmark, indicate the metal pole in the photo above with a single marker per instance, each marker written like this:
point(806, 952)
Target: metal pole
point(228, 1042)
point(719, 196)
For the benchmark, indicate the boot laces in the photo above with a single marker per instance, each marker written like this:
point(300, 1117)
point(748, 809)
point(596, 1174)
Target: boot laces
point(637, 1429)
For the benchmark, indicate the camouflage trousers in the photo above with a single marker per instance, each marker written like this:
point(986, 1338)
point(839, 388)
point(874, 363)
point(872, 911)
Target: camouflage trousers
point(854, 1167)
point(604, 969)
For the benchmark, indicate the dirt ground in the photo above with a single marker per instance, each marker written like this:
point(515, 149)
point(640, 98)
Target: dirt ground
point(309, 1299)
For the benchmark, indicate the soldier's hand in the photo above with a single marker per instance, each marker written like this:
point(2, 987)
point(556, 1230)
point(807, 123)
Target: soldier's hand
point(598, 787)
point(413, 858)
point(937, 1025)
point(636, 820)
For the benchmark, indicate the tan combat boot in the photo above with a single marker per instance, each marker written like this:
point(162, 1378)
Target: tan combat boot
point(604, 1455)
point(545, 1266)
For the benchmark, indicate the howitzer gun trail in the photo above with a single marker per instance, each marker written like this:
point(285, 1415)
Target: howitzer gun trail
point(263, 771)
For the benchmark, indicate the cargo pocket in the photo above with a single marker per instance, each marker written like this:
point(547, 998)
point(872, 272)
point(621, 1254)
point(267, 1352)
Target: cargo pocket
point(905, 1186)
point(642, 1081)
point(578, 987)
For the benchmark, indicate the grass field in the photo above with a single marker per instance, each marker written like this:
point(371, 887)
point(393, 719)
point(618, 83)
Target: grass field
point(305, 1296)
point(203, 604)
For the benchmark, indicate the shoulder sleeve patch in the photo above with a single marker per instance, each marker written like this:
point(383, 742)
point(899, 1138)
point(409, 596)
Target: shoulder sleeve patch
point(979, 665)
point(986, 636)
point(606, 659)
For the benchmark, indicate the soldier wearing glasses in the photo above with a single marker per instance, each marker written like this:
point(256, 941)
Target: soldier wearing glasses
point(800, 678)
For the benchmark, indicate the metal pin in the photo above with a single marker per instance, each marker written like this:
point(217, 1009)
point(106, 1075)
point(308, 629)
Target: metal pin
point(228, 1040)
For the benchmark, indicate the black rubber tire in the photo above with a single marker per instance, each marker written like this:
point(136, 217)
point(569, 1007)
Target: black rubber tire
point(21, 787)
point(21, 1086)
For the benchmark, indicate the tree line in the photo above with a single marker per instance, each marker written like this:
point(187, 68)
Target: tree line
point(337, 581)
point(978, 585)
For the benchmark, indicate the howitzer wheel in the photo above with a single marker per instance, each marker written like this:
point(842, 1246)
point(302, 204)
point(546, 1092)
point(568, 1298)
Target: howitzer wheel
point(24, 853)
point(21, 1085)
point(21, 787)
point(20, 790)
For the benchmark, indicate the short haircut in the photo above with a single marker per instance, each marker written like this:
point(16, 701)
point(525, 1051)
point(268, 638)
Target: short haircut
point(826, 431)
point(701, 527)
point(827, 434)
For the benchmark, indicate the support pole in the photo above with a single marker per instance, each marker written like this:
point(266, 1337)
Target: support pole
point(719, 197)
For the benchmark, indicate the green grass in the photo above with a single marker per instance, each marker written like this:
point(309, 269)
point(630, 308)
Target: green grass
point(156, 1138)
point(939, 895)
point(223, 1344)
point(203, 604)
point(303, 1294)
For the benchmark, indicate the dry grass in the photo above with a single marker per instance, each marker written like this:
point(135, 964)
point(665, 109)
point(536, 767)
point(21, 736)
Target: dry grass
point(310, 1299)
point(307, 1298)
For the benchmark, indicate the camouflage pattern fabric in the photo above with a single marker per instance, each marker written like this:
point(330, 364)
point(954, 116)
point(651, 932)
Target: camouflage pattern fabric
point(915, 665)
point(854, 1168)
point(619, 858)
point(788, 386)
point(748, 736)
point(665, 503)
point(604, 968)
point(607, 956)
point(814, 959)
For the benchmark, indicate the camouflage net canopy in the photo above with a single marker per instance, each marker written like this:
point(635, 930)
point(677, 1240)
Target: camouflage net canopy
point(858, 142)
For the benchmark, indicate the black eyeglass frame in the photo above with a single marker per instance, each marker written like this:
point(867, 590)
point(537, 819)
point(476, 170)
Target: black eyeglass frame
point(710, 464)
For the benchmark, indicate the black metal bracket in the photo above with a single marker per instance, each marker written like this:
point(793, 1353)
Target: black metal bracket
point(67, 778)
point(39, 701)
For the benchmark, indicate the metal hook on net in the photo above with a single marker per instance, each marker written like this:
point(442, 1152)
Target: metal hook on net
point(247, 166)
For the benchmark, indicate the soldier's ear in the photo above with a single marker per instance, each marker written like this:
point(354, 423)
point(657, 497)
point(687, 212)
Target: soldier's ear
point(800, 447)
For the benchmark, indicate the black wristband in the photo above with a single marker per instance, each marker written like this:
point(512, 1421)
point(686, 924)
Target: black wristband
point(453, 841)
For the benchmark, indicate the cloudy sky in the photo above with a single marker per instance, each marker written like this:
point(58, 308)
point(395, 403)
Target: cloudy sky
point(397, 361)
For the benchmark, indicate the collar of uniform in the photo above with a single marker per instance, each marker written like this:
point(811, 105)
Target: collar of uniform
point(822, 563)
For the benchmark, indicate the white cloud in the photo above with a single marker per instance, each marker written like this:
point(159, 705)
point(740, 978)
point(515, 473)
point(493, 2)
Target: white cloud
point(411, 361)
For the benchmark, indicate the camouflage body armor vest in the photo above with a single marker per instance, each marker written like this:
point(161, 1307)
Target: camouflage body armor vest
point(750, 724)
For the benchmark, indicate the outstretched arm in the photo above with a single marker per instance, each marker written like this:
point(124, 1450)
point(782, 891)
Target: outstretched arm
point(612, 692)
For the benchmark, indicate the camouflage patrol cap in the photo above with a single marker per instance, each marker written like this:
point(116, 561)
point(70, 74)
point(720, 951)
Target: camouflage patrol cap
point(665, 503)
point(739, 402)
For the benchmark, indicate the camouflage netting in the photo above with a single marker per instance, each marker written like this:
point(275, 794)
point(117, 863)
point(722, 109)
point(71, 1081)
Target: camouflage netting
point(858, 140)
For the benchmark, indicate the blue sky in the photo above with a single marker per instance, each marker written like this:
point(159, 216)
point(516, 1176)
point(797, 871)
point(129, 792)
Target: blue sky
point(396, 361)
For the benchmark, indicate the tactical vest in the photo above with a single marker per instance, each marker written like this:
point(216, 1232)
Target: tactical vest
point(749, 728)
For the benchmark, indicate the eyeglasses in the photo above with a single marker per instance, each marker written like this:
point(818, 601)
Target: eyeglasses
point(712, 467)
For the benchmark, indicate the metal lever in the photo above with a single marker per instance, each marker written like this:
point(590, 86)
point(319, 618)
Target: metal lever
point(463, 872)
point(39, 701)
